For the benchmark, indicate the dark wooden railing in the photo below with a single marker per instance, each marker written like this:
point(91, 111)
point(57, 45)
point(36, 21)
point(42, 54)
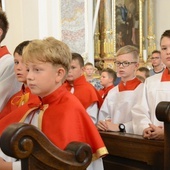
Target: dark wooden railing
point(163, 114)
point(132, 152)
point(126, 151)
point(26, 142)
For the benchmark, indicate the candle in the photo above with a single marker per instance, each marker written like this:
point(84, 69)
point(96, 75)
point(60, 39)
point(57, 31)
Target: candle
point(145, 57)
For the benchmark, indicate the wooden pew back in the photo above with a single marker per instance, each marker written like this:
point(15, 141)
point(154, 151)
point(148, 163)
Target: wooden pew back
point(132, 152)
point(26, 142)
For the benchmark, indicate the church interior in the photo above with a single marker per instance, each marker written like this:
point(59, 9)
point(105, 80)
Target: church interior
point(97, 30)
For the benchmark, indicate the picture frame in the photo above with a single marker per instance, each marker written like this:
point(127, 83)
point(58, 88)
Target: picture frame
point(127, 23)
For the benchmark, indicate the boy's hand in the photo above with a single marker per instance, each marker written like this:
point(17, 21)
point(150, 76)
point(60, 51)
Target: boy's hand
point(107, 125)
point(154, 132)
point(102, 125)
point(5, 165)
point(112, 127)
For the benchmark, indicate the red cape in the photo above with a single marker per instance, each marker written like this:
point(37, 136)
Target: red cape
point(85, 92)
point(62, 119)
point(24, 95)
point(103, 92)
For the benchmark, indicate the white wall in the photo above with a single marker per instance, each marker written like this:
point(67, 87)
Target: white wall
point(31, 19)
point(162, 18)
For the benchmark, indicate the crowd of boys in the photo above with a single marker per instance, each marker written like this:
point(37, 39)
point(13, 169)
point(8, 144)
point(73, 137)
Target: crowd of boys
point(126, 107)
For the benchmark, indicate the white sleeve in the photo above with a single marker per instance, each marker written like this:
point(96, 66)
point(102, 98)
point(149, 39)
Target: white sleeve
point(92, 110)
point(16, 165)
point(104, 110)
point(9, 85)
point(141, 116)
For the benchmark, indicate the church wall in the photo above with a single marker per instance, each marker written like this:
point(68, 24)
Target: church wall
point(30, 19)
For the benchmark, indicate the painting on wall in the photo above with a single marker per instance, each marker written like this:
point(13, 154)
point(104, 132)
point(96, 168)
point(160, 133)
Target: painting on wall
point(128, 23)
point(0, 4)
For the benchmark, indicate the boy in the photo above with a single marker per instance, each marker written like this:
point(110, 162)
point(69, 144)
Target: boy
point(142, 73)
point(59, 114)
point(157, 64)
point(24, 95)
point(108, 76)
point(156, 89)
point(8, 82)
point(83, 90)
point(89, 72)
point(114, 114)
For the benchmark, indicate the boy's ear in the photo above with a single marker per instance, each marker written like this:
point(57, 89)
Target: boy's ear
point(83, 68)
point(60, 74)
point(1, 32)
point(137, 65)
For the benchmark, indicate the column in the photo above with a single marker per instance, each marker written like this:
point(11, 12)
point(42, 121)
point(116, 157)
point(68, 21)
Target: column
point(151, 24)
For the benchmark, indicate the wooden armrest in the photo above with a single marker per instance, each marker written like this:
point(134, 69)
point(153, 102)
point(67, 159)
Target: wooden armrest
point(163, 114)
point(26, 142)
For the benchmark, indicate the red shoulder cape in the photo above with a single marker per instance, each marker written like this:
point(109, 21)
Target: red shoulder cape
point(23, 96)
point(103, 92)
point(62, 119)
point(85, 92)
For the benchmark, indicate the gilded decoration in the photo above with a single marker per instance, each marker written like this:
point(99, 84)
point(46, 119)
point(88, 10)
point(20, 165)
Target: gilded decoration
point(120, 23)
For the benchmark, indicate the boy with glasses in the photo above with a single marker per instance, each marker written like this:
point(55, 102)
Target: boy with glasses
point(156, 63)
point(114, 114)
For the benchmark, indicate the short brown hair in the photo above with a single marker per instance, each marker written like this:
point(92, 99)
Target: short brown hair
point(129, 49)
point(48, 50)
point(76, 56)
point(4, 25)
point(110, 72)
point(144, 69)
point(165, 34)
point(156, 51)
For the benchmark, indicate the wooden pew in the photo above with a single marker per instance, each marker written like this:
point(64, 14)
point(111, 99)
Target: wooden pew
point(163, 114)
point(26, 142)
point(132, 152)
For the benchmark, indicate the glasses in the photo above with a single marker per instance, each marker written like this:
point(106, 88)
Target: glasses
point(155, 58)
point(124, 63)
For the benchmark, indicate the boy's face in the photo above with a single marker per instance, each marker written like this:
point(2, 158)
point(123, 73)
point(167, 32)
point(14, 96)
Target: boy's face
point(165, 51)
point(141, 73)
point(44, 78)
point(75, 71)
point(20, 68)
point(89, 70)
point(128, 72)
point(105, 80)
point(156, 59)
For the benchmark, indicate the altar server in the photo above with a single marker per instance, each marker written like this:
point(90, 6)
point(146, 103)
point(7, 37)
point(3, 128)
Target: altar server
point(156, 89)
point(114, 114)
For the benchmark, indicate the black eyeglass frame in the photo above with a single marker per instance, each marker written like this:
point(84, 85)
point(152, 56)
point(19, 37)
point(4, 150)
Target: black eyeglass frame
point(124, 63)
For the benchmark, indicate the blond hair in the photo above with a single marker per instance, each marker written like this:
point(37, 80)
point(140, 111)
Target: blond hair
point(129, 49)
point(48, 50)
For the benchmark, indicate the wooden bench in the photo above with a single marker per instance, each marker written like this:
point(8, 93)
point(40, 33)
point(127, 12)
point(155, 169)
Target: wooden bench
point(126, 151)
point(132, 152)
point(26, 142)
